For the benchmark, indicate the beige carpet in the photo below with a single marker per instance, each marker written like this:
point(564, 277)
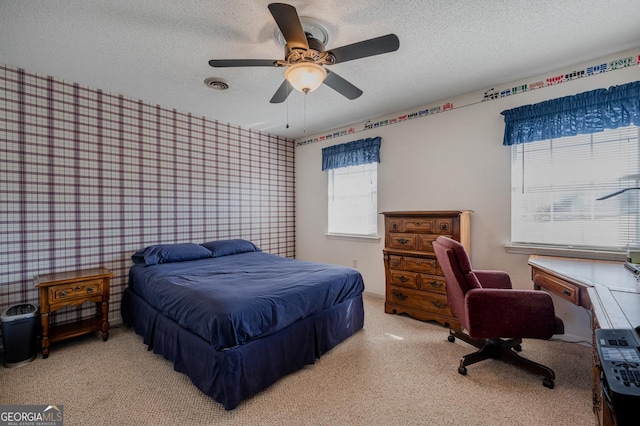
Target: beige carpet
point(395, 371)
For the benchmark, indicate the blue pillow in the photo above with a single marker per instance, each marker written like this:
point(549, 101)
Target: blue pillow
point(167, 253)
point(227, 247)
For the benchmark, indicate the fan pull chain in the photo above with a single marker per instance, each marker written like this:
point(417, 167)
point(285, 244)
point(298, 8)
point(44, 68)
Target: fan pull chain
point(305, 112)
point(287, 107)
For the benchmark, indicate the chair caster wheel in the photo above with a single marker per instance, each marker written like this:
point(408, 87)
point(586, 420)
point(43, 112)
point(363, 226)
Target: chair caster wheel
point(517, 348)
point(462, 370)
point(451, 338)
point(548, 383)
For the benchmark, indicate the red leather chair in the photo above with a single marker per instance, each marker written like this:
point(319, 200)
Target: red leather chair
point(494, 317)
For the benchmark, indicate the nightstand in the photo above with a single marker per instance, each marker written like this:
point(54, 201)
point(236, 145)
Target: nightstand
point(73, 288)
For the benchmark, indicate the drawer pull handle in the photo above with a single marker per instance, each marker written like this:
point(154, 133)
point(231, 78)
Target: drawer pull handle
point(418, 263)
point(395, 226)
point(435, 284)
point(399, 295)
point(63, 294)
point(395, 263)
point(444, 226)
point(440, 305)
point(417, 223)
point(90, 289)
point(566, 292)
point(403, 240)
point(77, 288)
point(403, 279)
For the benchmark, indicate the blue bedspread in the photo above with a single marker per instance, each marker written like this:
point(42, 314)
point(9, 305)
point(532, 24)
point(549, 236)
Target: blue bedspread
point(231, 300)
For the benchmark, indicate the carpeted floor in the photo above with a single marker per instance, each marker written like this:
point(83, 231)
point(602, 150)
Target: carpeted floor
point(395, 371)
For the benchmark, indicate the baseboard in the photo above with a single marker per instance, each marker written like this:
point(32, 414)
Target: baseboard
point(376, 295)
point(572, 338)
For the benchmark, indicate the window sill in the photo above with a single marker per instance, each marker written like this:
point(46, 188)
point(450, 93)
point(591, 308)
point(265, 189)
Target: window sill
point(353, 237)
point(566, 252)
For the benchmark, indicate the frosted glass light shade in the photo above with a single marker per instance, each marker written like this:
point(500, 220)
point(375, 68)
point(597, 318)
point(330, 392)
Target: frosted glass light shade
point(305, 77)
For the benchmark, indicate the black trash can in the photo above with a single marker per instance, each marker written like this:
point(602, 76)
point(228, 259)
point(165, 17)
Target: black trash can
point(19, 334)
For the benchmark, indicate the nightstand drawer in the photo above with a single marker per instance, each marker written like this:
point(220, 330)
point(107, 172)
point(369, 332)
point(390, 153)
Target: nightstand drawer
point(77, 290)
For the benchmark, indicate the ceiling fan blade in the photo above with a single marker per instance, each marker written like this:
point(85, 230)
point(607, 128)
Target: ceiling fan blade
point(362, 49)
point(282, 93)
point(288, 21)
point(218, 63)
point(342, 86)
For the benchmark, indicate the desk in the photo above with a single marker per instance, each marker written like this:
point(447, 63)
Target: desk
point(605, 288)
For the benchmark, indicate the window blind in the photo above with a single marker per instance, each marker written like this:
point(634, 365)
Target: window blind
point(556, 184)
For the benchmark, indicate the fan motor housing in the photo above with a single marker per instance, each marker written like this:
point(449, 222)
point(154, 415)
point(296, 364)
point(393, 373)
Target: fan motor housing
point(298, 55)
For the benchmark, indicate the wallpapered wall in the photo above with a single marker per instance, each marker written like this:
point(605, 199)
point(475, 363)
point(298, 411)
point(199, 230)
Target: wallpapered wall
point(87, 178)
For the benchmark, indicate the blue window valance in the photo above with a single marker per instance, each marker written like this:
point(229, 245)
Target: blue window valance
point(363, 151)
point(584, 113)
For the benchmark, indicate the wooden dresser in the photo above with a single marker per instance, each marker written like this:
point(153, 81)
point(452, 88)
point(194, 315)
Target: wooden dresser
point(415, 284)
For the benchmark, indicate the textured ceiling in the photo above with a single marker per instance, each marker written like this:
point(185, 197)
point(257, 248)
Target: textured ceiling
point(158, 51)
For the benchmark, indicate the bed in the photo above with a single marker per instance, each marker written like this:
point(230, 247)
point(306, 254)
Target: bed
point(235, 319)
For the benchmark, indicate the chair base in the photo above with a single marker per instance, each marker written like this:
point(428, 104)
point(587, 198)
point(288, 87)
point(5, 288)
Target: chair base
point(505, 350)
point(453, 334)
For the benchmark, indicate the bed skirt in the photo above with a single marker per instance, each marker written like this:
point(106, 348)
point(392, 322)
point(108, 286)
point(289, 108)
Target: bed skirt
point(232, 375)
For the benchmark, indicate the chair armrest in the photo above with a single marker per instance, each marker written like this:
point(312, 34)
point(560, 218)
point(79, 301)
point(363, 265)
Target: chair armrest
point(493, 279)
point(497, 313)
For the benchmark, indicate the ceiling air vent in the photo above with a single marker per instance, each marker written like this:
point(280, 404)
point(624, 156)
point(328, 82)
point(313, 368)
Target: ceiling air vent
point(217, 83)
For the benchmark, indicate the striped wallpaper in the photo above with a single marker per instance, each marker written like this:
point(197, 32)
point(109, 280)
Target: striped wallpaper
point(88, 177)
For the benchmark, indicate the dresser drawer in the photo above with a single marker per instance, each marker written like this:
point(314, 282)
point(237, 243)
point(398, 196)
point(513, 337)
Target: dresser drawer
point(418, 225)
point(426, 301)
point(432, 283)
point(444, 226)
point(403, 241)
point(420, 264)
point(77, 290)
point(557, 286)
point(394, 225)
point(395, 262)
point(426, 242)
point(404, 279)
point(417, 242)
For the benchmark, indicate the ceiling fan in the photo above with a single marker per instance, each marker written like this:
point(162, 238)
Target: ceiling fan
point(305, 57)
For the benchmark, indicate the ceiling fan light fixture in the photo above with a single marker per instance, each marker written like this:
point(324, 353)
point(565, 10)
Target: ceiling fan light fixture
point(305, 77)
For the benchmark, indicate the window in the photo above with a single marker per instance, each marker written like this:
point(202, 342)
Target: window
point(353, 200)
point(556, 184)
point(353, 186)
point(575, 170)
